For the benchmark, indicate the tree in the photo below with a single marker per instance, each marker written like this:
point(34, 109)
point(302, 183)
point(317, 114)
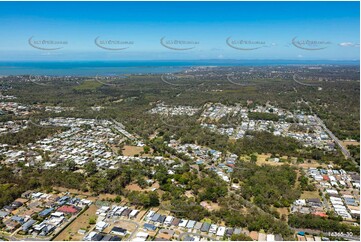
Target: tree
point(117, 199)
point(71, 165)
point(240, 237)
point(92, 220)
point(153, 199)
point(146, 149)
point(253, 158)
point(90, 168)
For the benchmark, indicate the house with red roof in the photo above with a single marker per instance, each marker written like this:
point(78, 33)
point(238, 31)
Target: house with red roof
point(321, 214)
point(68, 209)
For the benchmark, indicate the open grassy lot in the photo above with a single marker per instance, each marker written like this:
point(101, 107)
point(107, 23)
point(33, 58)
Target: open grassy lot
point(82, 222)
point(88, 86)
point(308, 194)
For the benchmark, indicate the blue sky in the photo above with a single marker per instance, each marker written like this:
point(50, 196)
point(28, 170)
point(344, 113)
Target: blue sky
point(264, 29)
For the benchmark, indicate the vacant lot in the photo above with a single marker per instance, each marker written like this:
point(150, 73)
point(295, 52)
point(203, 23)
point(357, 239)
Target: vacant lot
point(132, 150)
point(313, 164)
point(308, 194)
point(82, 222)
point(121, 223)
point(345, 143)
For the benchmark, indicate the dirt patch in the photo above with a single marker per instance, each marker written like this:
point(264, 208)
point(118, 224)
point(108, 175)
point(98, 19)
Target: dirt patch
point(312, 164)
point(106, 196)
point(189, 194)
point(210, 206)
point(345, 143)
point(130, 150)
point(134, 187)
point(72, 191)
point(81, 222)
point(263, 157)
point(283, 211)
point(87, 195)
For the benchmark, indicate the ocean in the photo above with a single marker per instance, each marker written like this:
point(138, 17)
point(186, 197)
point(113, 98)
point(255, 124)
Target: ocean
point(108, 68)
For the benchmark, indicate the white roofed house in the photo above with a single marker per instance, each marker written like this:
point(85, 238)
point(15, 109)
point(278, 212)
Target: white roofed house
point(149, 215)
point(270, 237)
point(213, 229)
point(133, 213)
point(183, 223)
point(100, 226)
point(221, 230)
point(168, 220)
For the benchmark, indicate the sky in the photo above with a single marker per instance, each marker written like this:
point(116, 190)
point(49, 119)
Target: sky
point(51, 31)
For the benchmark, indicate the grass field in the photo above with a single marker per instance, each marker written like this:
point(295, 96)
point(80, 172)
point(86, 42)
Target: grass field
point(88, 86)
point(308, 194)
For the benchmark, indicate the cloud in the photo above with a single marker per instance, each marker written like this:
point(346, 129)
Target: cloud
point(300, 56)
